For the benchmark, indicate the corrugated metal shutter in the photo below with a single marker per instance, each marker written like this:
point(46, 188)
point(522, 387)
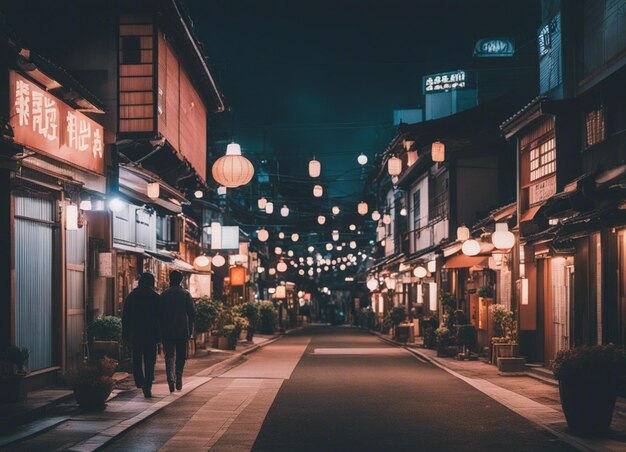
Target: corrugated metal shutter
point(75, 262)
point(33, 278)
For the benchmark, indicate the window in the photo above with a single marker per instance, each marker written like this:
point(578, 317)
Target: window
point(131, 50)
point(594, 127)
point(416, 210)
point(543, 160)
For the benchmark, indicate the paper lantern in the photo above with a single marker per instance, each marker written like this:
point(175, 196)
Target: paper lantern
point(260, 269)
point(352, 227)
point(198, 194)
point(278, 250)
point(269, 207)
point(318, 191)
point(432, 266)
point(329, 247)
point(271, 271)
point(471, 247)
point(218, 260)
point(284, 211)
point(376, 215)
point(271, 290)
point(336, 210)
point(281, 267)
point(301, 272)
point(153, 190)
point(438, 151)
point(281, 235)
point(290, 254)
point(390, 283)
point(321, 219)
point(372, 284)
point(116, 205)
point(403, 212)
point(462, 233)
point(394, 166)
point(353, 244)
point(232, 170)
point(386, 219)
point(335, 235)
point(311, 248)
point(85, 204)
point(420, 272)
point(71, 217)
point(362, 159)
point(362, 208)
point(342, 267)
point(315, 168)
point(295, 237)
point(262, 235)
point(201, 261)
point(221, 190)
point(502, 238)
point(262, 203)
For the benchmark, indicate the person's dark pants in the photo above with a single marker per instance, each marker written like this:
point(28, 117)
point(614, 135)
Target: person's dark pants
point(175, 351)
point(144, 359)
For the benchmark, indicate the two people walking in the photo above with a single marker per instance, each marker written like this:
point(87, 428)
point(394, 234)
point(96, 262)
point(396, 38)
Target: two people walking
point(149, 318)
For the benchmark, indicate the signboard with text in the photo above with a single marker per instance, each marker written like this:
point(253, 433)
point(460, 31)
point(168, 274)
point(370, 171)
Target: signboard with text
point(48, 125)
point(444, 81)
point(494, 48)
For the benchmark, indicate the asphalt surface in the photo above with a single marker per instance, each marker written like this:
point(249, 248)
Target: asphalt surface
point(352, 392)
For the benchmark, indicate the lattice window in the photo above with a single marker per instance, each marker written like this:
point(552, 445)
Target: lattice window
point(594, 127)
point(543, 160)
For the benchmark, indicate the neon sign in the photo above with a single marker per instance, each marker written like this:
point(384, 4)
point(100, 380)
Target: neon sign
point(444, 81)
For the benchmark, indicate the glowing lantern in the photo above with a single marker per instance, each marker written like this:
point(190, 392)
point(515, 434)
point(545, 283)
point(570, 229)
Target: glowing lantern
point(502, 238)
point(362, 159)
point(218, 260)
point(201, 261)
point(281, 235)
point(438, 151)
point(262, 203)
point(372, 284)
point(336, 210)
point(342, 267)
point(352, 227)
point(290, 254)
point(284, 211)
point(271, 271)
point(311, 248)
point(362, 208)
point(233, 170)
point(198, 194)
point(153, 190)
point(262, 235)
point(376, 215)
point(353, 244)
point(281, 267)
point(329, 247)
point(221, 190)
point(315, 168)
point(71, 217)
point(403, 212)
point(321, 219)
point(386, 219)
point(335, 235)
point(116, 205)
point(301, 272)
point(278, 250)
point(390, 283)
point(318, 191)
point(269, 207)
point(394, 166)
point(471, 247)
point(295, 237)
point(85, 204)
point(420, 272)
point(432, 266)
point(462, 233)
point(260, 269)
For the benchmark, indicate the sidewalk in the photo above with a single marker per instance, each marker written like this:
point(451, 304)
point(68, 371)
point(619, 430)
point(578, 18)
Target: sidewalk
point(535, 398)
point(63, 425)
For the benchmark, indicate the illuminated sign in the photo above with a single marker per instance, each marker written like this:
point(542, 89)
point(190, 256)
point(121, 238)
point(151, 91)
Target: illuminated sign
point(445, 81)
point(46, 124)
point(237, 276)
point(496, 47)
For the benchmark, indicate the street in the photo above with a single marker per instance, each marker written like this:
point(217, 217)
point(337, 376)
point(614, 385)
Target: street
point(335, 388)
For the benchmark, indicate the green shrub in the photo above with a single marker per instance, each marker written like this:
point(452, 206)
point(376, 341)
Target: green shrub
point(250, 311)
point(590, 362)
point(443, 335)
point(397, 315)
point(229, 331)
point(502, 321)
point(485, 291)
point(207, 311)
point(94, 370)
point(367, 318)
point(267, 317)
point(448, 302)
point(107, 328)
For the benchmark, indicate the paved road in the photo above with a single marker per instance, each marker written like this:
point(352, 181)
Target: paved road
point(335, 388)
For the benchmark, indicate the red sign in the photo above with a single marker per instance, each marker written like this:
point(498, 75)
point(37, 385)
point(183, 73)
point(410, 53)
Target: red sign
point(48, 125)
point(237, 276)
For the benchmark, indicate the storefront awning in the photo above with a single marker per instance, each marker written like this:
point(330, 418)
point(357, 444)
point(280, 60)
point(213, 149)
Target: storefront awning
point(530, 214)
point(160, 256)
point(463, 261)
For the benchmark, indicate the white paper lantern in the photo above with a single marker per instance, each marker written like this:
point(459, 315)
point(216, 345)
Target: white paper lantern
point(471, 247)
point(281, 267)
point(352, 227)
point(462, 233)
point(362, 208)
point(260, 269)
point(71, 217)
point(315, 168)
point(403, 212)
point(420, 272)
point(290, 254)
point(318, 191)
point(336, 210)
point(278, 250)
point(376, 215)
point(116, 205)
point(271, 271)
point(502, 238)
point(390, 283)
point(201, 261)
point(218, 260)
point(362, 159)
point(321, 219)
point(262, 235)
point(335, 235)
point(153, 190)
point(432, 266)
point(342, 267)
point(386, 219)
point(438, 151)
point(281, 235)
point(269, 207)
point(198, 194)
point(301, 272)
point(85, 204)
point(221, 190)
point(394, 166)
point(295, 237)
point(353, 244)
point(372, 284)
point(232, 170)
point(284, 211)
point(311, 248)
point(262, 203)
point(329, 247)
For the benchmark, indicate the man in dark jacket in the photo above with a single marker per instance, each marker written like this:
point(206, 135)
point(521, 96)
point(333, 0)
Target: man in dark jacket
point(178, 316)
point(141, 321)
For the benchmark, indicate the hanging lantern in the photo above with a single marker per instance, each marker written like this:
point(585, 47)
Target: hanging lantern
point(198, 194)
point(271, 271)
point(269, 207)
point(471, 247)
point(386, 219)
point(420, 272)
point(260, 269)
point(85, 204)
point(335, 235)
point(311, 248)
point(462, 233)
point(281, 235)
point(233, 170)
point(362, 208)
point(438, 151)
point(432, 266)
point(262, 203)
point(201, 261)
point(372, 284)
point(352, 227)
point(362, 159)
point(390, 283)
point(315, 168)
point(218, 260)
point(301, 272)
point(262, 235)
point(278, 250)
point(336, 210)
point(284, 211)
point(71, 217)
point(394, 166)
point(376, 215)
point(221, 190)
point(281, 267)
point(290, 254)
point(342, 267)
point(353, 244)
point(153, 190)
point(502, 238)
point(295, 237)
point(329, 247)
point(321, 219)
point(403, 212)
point(116, 205)
point(318, 191)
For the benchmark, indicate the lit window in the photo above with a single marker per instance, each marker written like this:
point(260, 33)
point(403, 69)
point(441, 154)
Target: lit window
point(594, 127)
point(542, 160)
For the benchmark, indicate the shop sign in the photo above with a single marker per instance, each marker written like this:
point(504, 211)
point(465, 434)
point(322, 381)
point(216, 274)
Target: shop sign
point(46, 124)
point(493, 48)
point(444, 81)
point(237, 276)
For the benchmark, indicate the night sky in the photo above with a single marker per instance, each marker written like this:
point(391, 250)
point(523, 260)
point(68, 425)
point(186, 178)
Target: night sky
point(323, 77)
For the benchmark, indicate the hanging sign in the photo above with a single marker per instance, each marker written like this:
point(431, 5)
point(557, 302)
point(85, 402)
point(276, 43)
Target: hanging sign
point(494, 48)
point(444, 81)
point(237, 276)
point(46, 124)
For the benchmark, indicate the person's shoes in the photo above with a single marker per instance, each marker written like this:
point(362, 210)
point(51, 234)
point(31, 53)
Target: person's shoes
point(147, 393)
point(171, 386)
point(179, 382)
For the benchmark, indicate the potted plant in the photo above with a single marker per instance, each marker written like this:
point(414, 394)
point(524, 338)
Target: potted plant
point(106, 333)
point(206, 313)
point(241, 324)
point(429, 326)
point(444, 340)
point(92, 383)
point(267, 317)
point(367, 318)
point(397, 315)
point(228, 337)
point(485, 291)
point(589, 379)
point(12, 373)
point(250, 312)
point(504, 341)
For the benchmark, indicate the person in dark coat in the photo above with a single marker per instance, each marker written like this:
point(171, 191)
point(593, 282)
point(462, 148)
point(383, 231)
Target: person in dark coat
point(178, 315)
point(141, 322)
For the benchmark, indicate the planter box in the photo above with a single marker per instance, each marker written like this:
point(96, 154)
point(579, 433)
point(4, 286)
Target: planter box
point(92, 396)
point(226, 343)
point(503, 351)
point(514, 365)
point(12, 389)
point(109, 348)
point(588, 403)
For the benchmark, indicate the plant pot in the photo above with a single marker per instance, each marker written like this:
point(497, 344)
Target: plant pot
point(227, 343)
point(588, 403)
point(99, 349)
point(12, 389)
point(92, 395)
point(213, 340)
